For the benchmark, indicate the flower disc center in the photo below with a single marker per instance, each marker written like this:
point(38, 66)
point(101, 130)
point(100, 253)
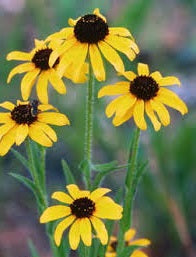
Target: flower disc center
point(24, 114)
point(91, 29)
point(144, 87)
point(82, 207)
point(41, 59)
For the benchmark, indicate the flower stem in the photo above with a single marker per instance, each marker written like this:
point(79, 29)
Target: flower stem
point(89, 125)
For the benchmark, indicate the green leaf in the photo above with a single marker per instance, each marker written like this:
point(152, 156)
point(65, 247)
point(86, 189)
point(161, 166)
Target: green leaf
point(139, 174)
point(127, 251)
point(21, 158)
point(105, 166)
point(32, 248)
point(67, 173)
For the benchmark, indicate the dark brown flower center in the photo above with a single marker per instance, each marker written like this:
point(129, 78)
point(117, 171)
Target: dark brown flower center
point(144, 87)
point(41, 59)
point(25, 114)
point(91, 29)
point(82, 207)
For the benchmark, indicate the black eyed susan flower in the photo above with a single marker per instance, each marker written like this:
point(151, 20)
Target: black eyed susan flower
point(81, 210)
point(143, 93)
point(128, 236)
point(90, 35)
point(28, 119)
point(37, 69)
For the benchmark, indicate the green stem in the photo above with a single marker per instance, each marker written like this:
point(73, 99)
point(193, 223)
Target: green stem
point(126, 221)
point(89, 125)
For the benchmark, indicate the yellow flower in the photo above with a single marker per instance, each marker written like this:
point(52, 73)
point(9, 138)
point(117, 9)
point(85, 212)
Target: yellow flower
point(91, 36)
point(143, 93)
point(82, 210)
point(143, 242)
point(37, 68)
point(28, 119)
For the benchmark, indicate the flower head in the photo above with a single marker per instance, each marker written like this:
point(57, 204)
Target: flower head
point(37, 69)
point(128, 236)
point(91, 35)
point(28, 119)
point(81, 210)
point(143, 93)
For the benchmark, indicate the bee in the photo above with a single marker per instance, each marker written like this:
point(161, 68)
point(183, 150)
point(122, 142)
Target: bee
point(34, 108)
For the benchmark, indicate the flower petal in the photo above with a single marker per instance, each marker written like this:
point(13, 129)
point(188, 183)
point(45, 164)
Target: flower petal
point(37, 134)
point(100, 229)
point(151, 115)
point(61, 227)
point(46, 107)
point(128, 236)
point(7, 105)
point(73, 190)
point(85, 231)
point(169, 81)
point(5, 128)
point(169, 98)
point(53, 118)
point(21, 133)
point(120, 31)
point(82, 73)
point(97, 12)
point(54, 213)
point(98, 193)
point(47, 130)
point(28, 82)
point(111, 55)
point(74, 235)
point(113, 106)
point(20, 69)
point(5, 117)
point(130, 75)
point(7, 141)
point(156, 76)
point(96, 62)
point(17, 55)
point(162, 112)
point(62, 197)
point(138, 114)
point(142, 69)
point(138, 253)
point(42, 85)
point(56, 82)
point(118, 120)
point(126, 104)
point(115, 89)
point(141, 242)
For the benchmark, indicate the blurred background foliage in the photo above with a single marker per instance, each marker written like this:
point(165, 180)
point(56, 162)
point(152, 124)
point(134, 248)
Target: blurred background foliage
point(165, 209)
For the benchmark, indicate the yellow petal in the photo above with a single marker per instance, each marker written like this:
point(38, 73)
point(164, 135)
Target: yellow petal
point(21, 133)
point(126, 104)
point(73, 22)
point(39, 136)
point(47, 130)
point(118, 120)
point(128, 236)
point(74, 235)
point(112, 56)
point(130, 75)
point(104, 207)
point(28, 82)
point(62, 197)
point(56, 82)
point(169, 98)
point(46, 107)
point(113, 106)
point(20, 69)
point(138, 253)
point(82, 73)
point(54, 213)
point(73, 191)
point(169, 81)
point(17, 55)
point(97, 12)
point(115, 89)
point(21, 102)
point(5, 128)
point(138, 115)
point(142, 69)
point(42, 85)
point(97, 63)
point(62, 34)
point(61, 227)
point(39, 43)
point(100, 229)
point(85, 231)
point(99, 192)
point(162, 112)
point(141, 242)
point(53, 118)
point(124, 45)
point(120, 31)
point(156, 76)
point(151, 115)
point(7, 105)
point(7, 141)
point(5, 117)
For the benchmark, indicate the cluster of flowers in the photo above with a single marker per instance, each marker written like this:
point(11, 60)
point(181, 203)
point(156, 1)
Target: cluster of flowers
point(71, 53)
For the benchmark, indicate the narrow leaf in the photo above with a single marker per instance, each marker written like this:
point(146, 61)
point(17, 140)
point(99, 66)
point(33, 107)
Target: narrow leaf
point(21, 158)
point(105, 166)
point(67, 173)
point(33, 250)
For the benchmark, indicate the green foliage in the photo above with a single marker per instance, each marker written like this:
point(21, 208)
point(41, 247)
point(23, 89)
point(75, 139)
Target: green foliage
point(67, 173)
point(32, 248)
